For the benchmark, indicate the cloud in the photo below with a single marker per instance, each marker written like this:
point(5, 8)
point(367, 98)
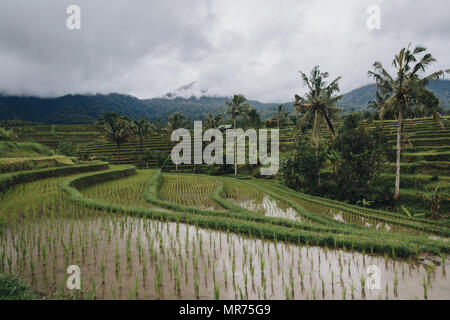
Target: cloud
point(255, 47)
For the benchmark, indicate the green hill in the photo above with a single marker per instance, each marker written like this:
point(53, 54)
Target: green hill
point(357, 99)
point(85, 109)
point(71, 109)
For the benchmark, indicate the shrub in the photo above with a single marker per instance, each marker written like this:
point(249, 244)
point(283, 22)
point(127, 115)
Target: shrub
point(105, 157)
point(155, 156)
point(5, 135)
point(68, 148)
point(300, 171)
point(363, 157)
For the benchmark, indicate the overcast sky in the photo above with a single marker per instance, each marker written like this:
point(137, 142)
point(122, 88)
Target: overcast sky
point(255, 47)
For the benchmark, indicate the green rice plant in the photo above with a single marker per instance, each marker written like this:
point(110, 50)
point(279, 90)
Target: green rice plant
point(387, 291)
point(344, 292)
point(136, 287)
point(93, 292)
point(425, 288)
point(352, 289)
point(287, 293)
point(196, 285)
point(395, 283)
point(113, 292)
point(102, 269)
point(323, 289)
point(144, 269)
point(216, 291)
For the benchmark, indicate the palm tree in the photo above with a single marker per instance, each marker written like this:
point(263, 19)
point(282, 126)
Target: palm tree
point(280, 116)
point(237, 107)
point(404, 88)
point(428, 105)
point(117, 129)
point(212, 121)
point(379, 104)
point(176, 121)
point(317, 106)
point(142, 128)
point(335, 159)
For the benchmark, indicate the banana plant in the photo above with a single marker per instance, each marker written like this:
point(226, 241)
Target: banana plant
point(416, 215)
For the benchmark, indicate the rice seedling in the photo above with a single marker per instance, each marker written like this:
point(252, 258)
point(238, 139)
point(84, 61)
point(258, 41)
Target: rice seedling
point(55, 229)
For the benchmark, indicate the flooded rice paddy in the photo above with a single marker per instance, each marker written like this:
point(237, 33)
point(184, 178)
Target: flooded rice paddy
point(124, 257)
point(131, 258)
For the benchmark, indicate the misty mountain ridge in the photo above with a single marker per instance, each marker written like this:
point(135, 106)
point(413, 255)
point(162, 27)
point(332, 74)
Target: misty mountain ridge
point(189, 100)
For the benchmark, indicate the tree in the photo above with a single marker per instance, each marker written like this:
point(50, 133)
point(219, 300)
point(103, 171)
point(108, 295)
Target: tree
point(6, 135)
point(142, 129)
point(176, 121)
point(351, 121)
point(68, 148)
point(252, 120)
point(159, 157)
point(363, 156)
point(403, 89)
point(428, 106)
point(280, 116)
point(317, 106)
point(379, 104)
point(299, 171)
point(117, 129)
point(435, 199)
point(237, 107)
point(212, 121)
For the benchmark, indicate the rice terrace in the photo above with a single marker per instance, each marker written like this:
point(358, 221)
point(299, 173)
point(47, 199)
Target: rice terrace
point(94, 205)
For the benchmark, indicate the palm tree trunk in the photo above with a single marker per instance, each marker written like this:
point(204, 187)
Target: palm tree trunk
point(235, 148)
point(399, 148)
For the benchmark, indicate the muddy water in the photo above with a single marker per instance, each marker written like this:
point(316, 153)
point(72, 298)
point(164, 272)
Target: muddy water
point(270, 208)
point(131, 258)
point(346, 217)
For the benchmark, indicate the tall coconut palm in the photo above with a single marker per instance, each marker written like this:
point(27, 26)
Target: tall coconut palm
point(237, 107)
point(176, 121)
point(404, 88)
point(142, 129)
point(280, 116)
point(117, 129)
point(318, 106)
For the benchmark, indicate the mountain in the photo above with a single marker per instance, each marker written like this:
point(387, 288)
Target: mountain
point(358, 99)
point(194, 102)
point(194, 108)
point(188, 99)
point(187, 91)
point(72, 108)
